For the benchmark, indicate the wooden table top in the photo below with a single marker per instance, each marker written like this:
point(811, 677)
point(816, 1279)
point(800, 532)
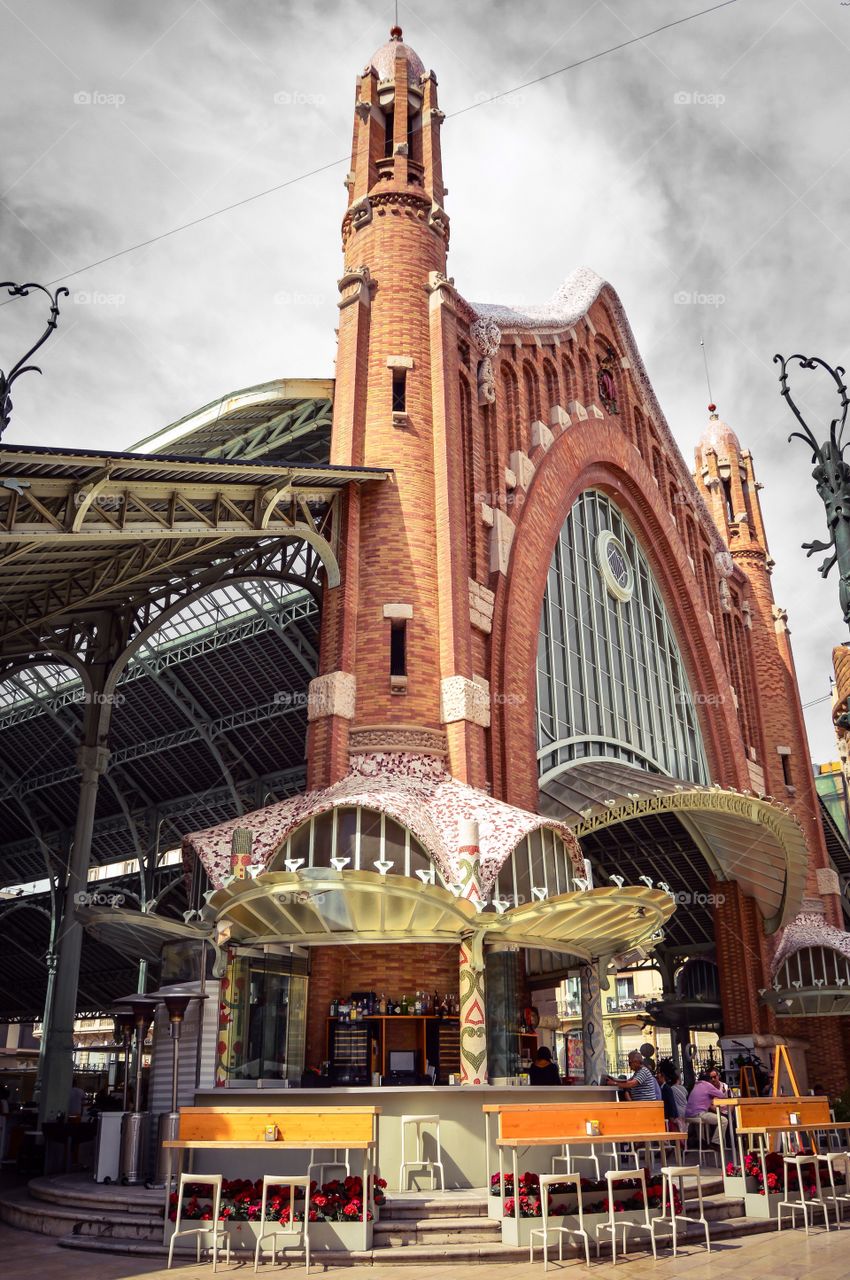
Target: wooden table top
point(588, 1139)
point(796, 1128)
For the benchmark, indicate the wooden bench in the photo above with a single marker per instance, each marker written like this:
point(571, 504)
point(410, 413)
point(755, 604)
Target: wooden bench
point(566, 1124)
point(296, 1129)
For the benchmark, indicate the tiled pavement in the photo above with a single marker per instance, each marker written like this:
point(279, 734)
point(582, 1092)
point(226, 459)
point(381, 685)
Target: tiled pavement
point(774, 1256)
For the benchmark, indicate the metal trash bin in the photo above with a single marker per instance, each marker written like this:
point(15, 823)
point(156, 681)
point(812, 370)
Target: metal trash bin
point(134, 1147)
point(107, 1152)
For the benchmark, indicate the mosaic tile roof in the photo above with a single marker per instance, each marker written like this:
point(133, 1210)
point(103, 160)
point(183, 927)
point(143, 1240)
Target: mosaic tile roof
point(414, 790)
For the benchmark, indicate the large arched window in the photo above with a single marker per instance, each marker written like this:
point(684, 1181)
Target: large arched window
point(610, 679)
point(363, 836)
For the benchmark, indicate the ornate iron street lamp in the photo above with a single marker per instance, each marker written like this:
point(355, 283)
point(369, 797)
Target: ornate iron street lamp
point(6, 379)
point(831, 475)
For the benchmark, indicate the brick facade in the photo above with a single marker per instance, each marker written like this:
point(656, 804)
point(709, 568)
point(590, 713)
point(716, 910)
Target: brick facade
point(503, 425)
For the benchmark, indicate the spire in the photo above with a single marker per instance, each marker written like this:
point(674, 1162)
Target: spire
point(396, 143)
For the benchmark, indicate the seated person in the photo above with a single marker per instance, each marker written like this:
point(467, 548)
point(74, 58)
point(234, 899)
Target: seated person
point(641, 1085)
point(701, 1103)
point(543, 1070)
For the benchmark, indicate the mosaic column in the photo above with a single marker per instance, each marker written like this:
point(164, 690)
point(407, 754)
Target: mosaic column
point(593, 1037)
point(469, 854)
point(473, 1022)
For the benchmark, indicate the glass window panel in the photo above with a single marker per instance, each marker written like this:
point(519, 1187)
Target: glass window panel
point(620, 661)
point(322, 839)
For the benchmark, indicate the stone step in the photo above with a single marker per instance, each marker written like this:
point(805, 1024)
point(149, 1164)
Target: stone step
point(436, 1254)
point(416, 1210)
point(402, 1232)
point(102, 1197)
point(19, 1209)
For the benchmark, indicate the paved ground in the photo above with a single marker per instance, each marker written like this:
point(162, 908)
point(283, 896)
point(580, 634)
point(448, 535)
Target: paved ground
point(771, 1256)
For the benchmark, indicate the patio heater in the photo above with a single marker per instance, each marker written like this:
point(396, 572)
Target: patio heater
point(176, 1004)
point(135, 1123)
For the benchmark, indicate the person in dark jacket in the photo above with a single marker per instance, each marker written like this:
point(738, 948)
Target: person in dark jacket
point(543, 1070)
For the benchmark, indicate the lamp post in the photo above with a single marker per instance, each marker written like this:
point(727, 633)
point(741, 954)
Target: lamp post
point(831, 474)
point(21, 366)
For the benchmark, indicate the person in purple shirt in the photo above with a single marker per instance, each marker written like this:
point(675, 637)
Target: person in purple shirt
point(701, 1103)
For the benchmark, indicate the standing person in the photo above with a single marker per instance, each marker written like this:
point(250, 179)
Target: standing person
point(76, 1099)
point(641, 1085)
point(543, 1070)
point(701, 1104)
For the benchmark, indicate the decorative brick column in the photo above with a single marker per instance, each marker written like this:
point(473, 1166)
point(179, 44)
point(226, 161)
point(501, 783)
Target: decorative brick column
point(473, 1019)
point(592, 1032)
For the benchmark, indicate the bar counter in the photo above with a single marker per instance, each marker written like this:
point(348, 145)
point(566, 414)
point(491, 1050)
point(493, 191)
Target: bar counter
point(461, 1125)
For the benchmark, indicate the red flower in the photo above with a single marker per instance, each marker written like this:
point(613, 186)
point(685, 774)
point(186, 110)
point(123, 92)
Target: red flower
point(351, 1211)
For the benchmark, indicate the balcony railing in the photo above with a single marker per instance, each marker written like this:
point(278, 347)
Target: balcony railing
point(620, 1004)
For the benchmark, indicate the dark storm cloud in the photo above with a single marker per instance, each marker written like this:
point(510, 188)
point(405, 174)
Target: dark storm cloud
point(711, 161)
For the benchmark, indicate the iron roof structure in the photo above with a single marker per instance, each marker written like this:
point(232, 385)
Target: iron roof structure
point(196, 575)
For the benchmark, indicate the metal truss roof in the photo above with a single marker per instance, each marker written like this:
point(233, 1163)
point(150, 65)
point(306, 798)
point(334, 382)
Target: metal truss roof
point(213, 557)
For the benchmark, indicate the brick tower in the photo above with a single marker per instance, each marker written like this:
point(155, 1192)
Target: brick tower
point(396, 664)
point(726, 477)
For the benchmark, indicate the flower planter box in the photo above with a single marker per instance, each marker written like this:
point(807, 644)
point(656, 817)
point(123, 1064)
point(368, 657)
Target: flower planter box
point(351, 1237)
point(761, 1206)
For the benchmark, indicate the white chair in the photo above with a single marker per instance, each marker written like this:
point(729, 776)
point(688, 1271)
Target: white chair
point(416, 1122)
point(612, 1177)
point(327, 1164)
point(213, 1227)
point(829, 1160)
point(798, 1162)
point(546, 1181)
point(671, 1174)
point(278, 1228)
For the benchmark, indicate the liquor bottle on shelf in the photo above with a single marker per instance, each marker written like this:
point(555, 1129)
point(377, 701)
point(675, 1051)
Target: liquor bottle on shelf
point(334, 1009)
point(382, 1004)
point(397, 1006)
point(404, 1006)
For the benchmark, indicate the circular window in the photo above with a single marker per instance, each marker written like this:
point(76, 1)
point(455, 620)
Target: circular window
point(614, 563)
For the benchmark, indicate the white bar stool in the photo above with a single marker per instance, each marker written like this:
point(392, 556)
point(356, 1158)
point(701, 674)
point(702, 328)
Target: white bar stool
point(798, 1162)
point(829, 1160)
point(558, 1179)
point(213, 1227)
point(706, 1130)
point(670, 1175)
point(569, 1158)
point(277, 1228)
point(327, 1164)
point(623, 1175)
point(419, 1149)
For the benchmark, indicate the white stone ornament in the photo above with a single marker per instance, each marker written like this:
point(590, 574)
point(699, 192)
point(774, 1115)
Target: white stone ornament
point(382, 866)
point(339, 864)
point(486, 335)
point(293, 864)
point(429, 876)
point(619, 881)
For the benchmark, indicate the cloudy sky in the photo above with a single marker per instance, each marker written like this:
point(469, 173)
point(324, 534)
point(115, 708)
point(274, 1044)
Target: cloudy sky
point(708, 162)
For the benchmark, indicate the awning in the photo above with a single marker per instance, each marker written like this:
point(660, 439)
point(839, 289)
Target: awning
point(742, 837)
point(322, 907)
point(811, 970)
point(135, 933)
